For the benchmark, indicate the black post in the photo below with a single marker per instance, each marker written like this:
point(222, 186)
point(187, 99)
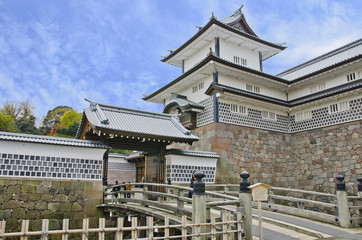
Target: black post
point(246, 210)
point(244, 184)
point(341, 186)
point(359, 184)
point(199, 184)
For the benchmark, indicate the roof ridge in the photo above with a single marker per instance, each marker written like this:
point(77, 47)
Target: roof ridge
point(130, 110)
point(322, 57)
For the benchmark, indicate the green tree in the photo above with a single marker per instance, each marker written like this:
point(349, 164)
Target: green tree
point(7, 123)
point(51, 121)
point(70, 118)
point(21, 113)
point(27, 125)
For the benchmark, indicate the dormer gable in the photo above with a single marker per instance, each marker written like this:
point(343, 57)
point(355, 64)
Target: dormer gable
point(237, 20)
point(224, 37)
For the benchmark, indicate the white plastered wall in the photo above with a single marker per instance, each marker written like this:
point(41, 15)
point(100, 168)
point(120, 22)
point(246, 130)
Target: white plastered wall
point(13, 147)
point(229, 49)
point(196, 57)
point(241, 84)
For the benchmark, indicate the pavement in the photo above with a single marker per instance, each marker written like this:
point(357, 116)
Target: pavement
point(277, 226)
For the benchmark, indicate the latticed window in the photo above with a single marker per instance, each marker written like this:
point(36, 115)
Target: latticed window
point(269, 115)
point(317, 88)
point(195, 88)
point(351, 77)
point(234, 108)
point(201, 85)
point(252, 88)
point(303, 116)
point(339, 107)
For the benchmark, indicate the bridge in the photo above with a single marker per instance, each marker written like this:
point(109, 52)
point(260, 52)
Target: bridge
point(226, 211)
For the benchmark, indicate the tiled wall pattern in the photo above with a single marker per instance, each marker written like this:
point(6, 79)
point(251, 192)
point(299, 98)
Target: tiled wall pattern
point(321, 117)
point(121, 166)
point(183, 173)
point(20, 165)
point(253, 118)
point(207, 115)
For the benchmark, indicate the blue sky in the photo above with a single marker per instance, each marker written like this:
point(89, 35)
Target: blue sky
point(61, 51)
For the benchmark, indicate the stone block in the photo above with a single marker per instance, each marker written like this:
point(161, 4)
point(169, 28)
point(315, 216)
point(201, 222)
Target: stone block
point(13, 189)
point(60, 198)
point(34, 196)
point(12, 204)
point(65, 207)
point(27, 189)
point(47, 184)
point(18, 213)
point(41, 205)
point(28, 205)
point(47, 197)
point(54, 207)
point(76, 207)
point(46, 214)
point(54, 224)
point(33, 214)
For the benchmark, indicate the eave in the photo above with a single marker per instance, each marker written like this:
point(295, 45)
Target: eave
point(218, 60)
point(222, 25)
point(331, 92)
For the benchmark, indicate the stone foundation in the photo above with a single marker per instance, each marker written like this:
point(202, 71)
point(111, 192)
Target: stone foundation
point(49, 199)
point(307, 160)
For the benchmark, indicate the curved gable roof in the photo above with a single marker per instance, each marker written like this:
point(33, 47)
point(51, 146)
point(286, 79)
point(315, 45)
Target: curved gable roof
point(135, 123)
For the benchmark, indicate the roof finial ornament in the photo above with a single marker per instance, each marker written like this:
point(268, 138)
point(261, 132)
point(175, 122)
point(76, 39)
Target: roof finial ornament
point(212, 16)
point(238, 11)
point(210, 52)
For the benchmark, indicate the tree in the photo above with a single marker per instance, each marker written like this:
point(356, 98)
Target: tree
point(18, 109)
point(70, 118)
point(27, 125)
point(51, 121)
point(7, 123)
point(21, 113)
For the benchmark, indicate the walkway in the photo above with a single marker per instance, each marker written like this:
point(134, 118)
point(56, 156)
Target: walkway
point(276, 226)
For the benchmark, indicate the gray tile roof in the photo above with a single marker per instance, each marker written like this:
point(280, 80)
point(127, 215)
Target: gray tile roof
point(356, 84)
point(183, 102)
point(193, 153)
point(137, 123)
point(324, 61)
point(19, 137)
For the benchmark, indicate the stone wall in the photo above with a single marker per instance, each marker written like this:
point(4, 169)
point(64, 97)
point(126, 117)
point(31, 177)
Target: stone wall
point(307, 160)
point(49, 199)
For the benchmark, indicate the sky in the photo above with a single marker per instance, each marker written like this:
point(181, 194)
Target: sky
point(59, 52)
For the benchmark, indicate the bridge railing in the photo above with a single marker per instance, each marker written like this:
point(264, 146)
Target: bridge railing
point(147, 194)
point(173, 198)
point(310, 204)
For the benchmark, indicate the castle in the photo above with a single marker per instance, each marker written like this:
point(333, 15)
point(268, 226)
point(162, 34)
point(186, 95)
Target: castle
point(299, 128)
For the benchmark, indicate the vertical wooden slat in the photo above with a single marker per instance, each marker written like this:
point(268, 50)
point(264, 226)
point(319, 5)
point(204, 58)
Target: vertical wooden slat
point(65, 228)
point(229, 219)
point(85, 229)
point(150, 227)
point(224, 226)
point(197, 229)
point(134, 228)
point(2, 229)
point(167, 228)
point(119, 233)
point(24, 229)
point(184, 227)
point(102, 225)
point(45, 229)
point(213, 227)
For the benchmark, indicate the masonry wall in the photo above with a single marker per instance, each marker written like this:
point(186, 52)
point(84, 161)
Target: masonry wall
point(49, 199)
point(306, 160)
